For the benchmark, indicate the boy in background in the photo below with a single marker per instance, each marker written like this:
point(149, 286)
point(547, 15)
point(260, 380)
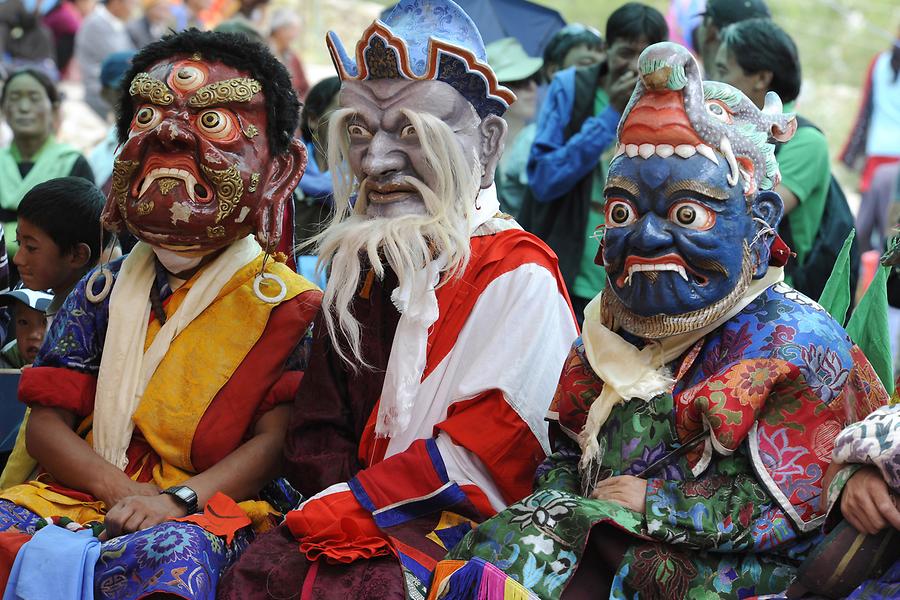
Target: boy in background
point(59, 236)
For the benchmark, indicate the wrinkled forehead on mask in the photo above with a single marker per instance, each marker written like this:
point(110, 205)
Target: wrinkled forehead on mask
point(383, 102)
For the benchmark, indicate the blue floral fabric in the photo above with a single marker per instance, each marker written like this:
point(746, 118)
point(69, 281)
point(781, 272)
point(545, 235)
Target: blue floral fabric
point(172, 558)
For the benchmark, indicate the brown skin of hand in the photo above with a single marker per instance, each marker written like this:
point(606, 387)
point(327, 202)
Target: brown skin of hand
point(626, 490)
point(135, 506)
point(867, 502)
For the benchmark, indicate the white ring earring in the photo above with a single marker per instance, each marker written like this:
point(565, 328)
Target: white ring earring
point(257, 288)
point(107, 285)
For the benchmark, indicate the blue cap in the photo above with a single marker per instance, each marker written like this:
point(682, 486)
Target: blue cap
point(114, 68)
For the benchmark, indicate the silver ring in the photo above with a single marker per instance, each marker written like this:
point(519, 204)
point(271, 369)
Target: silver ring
point(107, 285)
point(257, 282)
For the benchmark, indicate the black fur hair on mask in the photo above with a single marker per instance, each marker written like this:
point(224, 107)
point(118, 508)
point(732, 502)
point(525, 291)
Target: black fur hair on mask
point(236, 51)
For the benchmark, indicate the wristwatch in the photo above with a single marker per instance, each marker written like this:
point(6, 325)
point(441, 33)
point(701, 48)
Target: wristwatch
point(185, 496)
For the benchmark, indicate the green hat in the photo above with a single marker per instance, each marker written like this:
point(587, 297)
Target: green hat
point(510, 62)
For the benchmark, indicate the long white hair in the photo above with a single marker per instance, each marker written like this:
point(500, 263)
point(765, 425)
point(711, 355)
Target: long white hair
point(405, 242)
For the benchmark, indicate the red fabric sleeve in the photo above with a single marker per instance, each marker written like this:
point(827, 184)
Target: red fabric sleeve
point(337, 528)
point(282, 392)
point(58, 387)
point(487, 426)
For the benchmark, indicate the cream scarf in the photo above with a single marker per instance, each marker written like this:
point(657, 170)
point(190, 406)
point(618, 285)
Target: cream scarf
point(416, 301)
point(125, 369)
point(628, 372)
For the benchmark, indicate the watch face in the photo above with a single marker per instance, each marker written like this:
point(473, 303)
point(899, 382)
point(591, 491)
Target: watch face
point(185, 495)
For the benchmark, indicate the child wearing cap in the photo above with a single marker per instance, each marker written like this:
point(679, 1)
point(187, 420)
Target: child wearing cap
point(29, 318)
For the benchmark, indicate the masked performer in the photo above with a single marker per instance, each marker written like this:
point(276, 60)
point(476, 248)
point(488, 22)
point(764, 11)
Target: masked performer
point(444, 326)
point(696, 416)
point(164, 378)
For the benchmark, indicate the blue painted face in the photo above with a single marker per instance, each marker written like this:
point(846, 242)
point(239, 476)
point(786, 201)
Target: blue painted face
point(675, 233)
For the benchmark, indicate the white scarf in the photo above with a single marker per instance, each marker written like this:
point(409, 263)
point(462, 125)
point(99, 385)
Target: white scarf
point(627, 372)
point(416, 301)
point(125, 369)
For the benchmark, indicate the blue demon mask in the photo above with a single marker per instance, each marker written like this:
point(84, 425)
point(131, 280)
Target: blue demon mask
point(690, 214)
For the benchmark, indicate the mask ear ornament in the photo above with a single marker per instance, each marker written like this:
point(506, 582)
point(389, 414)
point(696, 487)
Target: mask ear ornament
point(262, 277)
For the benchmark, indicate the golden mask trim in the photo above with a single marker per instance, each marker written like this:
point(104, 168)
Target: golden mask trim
point(121, 177)
point(229, 189)
point(216, 232)
point(239, 89)
point(254, 182)
point(251, 131)
point(151, 89)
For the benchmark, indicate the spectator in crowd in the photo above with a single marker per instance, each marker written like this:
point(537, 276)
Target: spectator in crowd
point(24, 39)
point(576, 135)
point(717, 16)
point(103, 32)
point(876, 136)
point(30, 320)
point(191, 14)
point(104, 153)
point(313, 201)
point(59, 229)
point(575, 45)
point(520, 73)
point(315, 187)
point(155, 21)
point(283, 32)
point(757, 56)
point(30, 104)
point(63, 20)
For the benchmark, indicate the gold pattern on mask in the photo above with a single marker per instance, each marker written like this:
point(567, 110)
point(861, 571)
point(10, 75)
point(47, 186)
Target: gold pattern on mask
point(254, 182)
point(145, 208)
point(121, 177)
point(216, 232)
point(251, 131)
point(180, 212)
point(151, 89)
point(196, 56)
point(240, 89)
point(229, 189)
point(167, 184)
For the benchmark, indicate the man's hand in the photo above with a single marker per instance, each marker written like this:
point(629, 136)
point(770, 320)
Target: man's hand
point(135, 513)
point(627, 490)
point(119, 488)
point(620, 90)
point(867, 503)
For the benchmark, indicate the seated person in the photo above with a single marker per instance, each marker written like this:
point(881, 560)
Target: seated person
point(29, 319)
point(161, 387)
point(862, 561)
point(443, 328)
point(695, 418)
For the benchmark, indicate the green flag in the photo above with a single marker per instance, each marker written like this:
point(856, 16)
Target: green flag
point(835, 297)
point(868, 328)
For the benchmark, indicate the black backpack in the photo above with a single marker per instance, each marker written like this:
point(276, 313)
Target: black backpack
point(837, 222)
